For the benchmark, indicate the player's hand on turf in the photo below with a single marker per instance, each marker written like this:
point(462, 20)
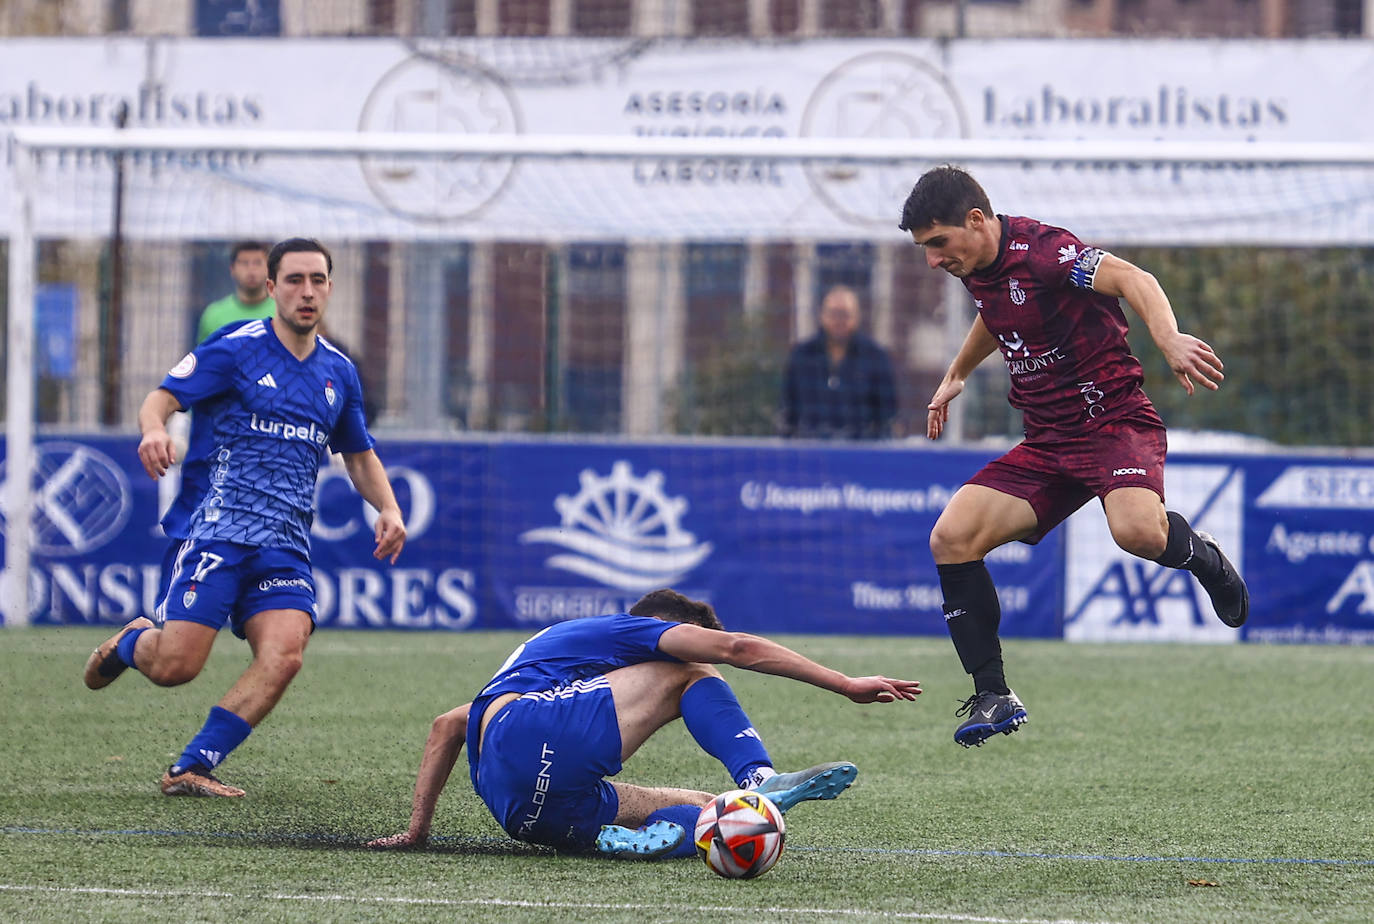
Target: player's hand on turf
point(938, 408)
point(157, 452)
point(403, 841)
point(391, 536)
point(1193, 361)
point(879, 689)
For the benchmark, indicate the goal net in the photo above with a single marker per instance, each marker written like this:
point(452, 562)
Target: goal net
point(648, 288)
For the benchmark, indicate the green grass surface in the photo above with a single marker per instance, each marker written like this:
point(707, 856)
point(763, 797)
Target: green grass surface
point(1144, 767)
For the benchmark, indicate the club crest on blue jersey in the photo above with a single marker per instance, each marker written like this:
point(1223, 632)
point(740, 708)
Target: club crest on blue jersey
point(329, 391)
point(188, 599)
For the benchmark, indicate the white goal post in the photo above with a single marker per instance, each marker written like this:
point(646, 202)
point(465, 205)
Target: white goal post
point(1233, 192)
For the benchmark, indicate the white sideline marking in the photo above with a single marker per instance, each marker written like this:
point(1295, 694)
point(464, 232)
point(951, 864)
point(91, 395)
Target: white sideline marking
point(514, 903)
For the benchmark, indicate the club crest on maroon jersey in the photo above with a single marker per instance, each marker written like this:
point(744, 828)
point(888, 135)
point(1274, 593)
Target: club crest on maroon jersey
point(1018, 294)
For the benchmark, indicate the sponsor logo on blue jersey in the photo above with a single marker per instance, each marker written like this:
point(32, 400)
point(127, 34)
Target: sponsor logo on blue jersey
point(289, 431)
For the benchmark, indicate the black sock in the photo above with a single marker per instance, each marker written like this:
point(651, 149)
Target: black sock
point(1186, 551)
point(973, 614)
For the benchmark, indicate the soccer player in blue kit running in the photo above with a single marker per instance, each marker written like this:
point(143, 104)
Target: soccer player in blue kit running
point(571, 705)
point(276, 395)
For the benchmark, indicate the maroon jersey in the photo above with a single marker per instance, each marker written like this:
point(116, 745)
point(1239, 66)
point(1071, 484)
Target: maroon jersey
point(1064, 344)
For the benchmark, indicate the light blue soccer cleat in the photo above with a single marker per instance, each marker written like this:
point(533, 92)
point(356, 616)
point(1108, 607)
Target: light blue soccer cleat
point(823, 781)
point(646, 843)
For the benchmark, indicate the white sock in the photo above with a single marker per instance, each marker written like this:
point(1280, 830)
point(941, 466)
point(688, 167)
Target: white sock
point(756, 777)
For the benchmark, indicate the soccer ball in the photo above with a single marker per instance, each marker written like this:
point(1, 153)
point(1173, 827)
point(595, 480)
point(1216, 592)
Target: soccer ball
point(740, 834)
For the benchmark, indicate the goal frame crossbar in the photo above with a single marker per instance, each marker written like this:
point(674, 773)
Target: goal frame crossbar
point(28, 143)
point(563, 146)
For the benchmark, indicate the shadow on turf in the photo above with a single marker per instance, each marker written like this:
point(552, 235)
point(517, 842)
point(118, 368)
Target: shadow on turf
point(459, 846)
point(456, 845)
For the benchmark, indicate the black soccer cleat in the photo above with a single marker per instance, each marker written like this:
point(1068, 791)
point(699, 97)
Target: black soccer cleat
point(1230, 596)
point(988, 714)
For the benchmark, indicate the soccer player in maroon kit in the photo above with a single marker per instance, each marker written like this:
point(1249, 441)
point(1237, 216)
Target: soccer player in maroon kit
point(1049, 303)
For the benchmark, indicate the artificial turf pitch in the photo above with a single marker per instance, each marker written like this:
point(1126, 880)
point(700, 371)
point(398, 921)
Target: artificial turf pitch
point(1152, 783)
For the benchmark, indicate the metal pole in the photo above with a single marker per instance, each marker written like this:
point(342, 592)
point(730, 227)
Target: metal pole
point(553, 366)
point(112, 345)
point(957, 322)
point(18, 488)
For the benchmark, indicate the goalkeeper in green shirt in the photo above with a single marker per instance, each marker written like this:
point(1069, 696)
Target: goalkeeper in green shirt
point(249, 300)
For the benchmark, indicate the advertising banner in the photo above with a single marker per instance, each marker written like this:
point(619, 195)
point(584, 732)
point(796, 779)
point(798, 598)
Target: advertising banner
point(1066, 90)
point(1113, 596)
point(804, 540)
point(1311, 550)
point(779, 537)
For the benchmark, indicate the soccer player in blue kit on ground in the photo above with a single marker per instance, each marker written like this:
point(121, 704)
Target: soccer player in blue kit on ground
point(571, 705)
point(276, 397)
point(1048, 302)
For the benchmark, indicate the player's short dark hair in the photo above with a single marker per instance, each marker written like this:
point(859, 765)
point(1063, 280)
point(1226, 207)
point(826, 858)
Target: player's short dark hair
point(241, 246)
point(946, 195)
point(671, 606)
point(297, 245)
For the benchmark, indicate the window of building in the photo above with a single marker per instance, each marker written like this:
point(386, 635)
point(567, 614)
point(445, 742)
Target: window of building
point(524, 17)
point(720, 17)
point(601, 17)
point(594, 303)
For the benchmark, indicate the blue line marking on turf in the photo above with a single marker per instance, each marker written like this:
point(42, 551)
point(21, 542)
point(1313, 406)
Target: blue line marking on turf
point(344, 840)
point(1099, 857)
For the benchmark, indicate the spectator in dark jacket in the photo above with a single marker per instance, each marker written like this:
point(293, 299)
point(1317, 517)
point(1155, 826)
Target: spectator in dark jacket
point(839, 383)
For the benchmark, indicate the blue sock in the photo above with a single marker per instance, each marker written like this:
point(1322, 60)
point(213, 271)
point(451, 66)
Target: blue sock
point(714, 717)
point(222, 732)
point(685, 815)
point(125, 648)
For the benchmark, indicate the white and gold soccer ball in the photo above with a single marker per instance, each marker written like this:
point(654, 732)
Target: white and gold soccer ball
point(740, 834)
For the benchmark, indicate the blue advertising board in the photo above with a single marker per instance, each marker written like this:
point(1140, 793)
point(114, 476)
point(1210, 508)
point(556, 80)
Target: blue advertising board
point(781, 537)
point(1310, 542)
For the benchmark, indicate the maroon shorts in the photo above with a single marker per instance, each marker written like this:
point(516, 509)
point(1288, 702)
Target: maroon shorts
point(1059, 476)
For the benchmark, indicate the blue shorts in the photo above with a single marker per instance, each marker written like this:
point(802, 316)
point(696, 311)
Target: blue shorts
point(217, 582)
point(169, 563)
point(542, 765)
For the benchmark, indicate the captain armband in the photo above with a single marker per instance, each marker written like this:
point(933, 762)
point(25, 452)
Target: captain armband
point(1085, 267)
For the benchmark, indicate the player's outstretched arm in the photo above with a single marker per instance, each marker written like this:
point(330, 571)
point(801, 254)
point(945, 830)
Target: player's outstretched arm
point(157, 450)
point(687, 642)
point(1192, 360)
point(978, 346)
point(445, 742)
point(368, 475)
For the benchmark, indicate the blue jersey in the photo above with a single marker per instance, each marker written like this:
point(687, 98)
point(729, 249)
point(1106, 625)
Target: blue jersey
point(576, 650)
point(195, 464)
point(566, 653)
point(271, 417)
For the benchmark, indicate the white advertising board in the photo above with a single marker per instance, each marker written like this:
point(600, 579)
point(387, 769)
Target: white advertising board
point(1122, 91)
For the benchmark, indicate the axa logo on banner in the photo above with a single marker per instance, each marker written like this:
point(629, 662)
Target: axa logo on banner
point(1112, 596)
point(622, 531)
